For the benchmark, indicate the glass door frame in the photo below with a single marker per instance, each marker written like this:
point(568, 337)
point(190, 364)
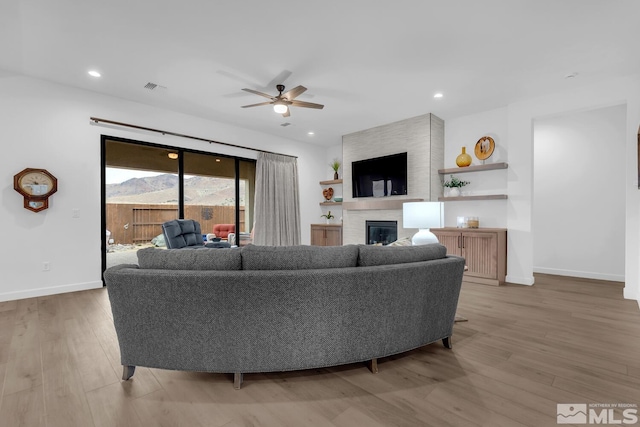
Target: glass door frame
point(181, 205)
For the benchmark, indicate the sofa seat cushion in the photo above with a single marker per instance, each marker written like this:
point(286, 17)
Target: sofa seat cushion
point(370, 255)
point(298, 257)
point(183, 259)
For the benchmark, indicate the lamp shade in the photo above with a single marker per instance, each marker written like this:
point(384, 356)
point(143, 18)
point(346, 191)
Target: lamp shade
point(280, 108)
point(423, 215)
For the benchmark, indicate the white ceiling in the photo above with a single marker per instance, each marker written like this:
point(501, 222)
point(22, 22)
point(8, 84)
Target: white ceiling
point(370, 62)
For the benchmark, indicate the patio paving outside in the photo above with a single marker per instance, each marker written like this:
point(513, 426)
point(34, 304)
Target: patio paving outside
point(124, 254)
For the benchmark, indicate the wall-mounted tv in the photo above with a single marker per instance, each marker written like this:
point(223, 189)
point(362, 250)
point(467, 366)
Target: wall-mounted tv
point(380, 176)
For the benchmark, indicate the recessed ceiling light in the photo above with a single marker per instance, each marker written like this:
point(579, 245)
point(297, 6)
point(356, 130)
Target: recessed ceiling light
point(437, 95)
point(94, 73)
point(172, 156)
point(218, 160)
point(311, 132)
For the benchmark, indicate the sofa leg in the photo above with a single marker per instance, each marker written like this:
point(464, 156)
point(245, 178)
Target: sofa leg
point(373, 366)
point(447, 342)
point(237, 380)
point(127, 372)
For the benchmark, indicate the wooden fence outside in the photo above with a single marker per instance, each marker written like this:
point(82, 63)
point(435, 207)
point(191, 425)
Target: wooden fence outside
point(139, 223)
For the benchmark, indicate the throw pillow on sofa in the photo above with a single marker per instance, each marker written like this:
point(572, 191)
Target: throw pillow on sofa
point(383, 255)
point(403, 241)
point(182, 259)
point(298, 257)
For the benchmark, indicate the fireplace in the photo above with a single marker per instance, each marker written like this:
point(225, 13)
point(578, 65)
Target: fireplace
point(381, 232)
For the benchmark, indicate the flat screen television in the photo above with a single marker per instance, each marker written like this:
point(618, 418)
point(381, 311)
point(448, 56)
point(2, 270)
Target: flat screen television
point(380, 176)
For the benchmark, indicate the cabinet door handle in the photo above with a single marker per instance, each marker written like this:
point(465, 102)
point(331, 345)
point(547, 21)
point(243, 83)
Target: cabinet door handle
point(462, 242)
point(459, 245)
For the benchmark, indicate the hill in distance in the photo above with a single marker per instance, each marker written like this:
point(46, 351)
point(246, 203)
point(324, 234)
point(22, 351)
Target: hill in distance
point(163, 189)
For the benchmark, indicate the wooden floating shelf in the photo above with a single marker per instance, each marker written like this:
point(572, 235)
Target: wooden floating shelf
point(331, 181)
point(330, 203)
point(488, 167)
point(463, 198)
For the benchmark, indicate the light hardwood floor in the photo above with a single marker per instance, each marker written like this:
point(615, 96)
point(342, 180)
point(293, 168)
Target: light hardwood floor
point(523, 350)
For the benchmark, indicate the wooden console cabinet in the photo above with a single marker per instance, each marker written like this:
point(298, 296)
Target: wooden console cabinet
point(484, 249)
point(326, 234)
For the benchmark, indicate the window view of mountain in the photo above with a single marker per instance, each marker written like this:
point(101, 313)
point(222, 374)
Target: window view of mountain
point(199, 190)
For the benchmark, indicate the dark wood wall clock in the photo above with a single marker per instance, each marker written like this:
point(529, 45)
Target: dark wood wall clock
point(36, 186)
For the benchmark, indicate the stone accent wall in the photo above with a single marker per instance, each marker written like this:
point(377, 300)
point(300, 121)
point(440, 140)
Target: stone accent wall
point(422, 138)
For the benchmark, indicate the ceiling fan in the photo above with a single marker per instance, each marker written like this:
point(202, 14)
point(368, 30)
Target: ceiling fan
point(282, 101)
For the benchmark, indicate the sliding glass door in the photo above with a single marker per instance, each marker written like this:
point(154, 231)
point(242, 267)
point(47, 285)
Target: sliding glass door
point(145, 185)
point(218, 193)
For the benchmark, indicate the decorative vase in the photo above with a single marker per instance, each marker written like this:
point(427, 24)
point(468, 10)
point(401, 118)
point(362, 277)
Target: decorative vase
point(463, 160)
point(335, 175)
point(454, 192)
point(327, 193)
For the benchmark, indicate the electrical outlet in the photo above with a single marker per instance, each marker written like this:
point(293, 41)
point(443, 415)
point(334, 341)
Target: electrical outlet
point(46, 266)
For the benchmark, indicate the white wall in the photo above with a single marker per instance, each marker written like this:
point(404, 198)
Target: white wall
point(520, 186)
point(578, 202)
point(465, 132)
point(519, 148)
point(333, 152)
point(47, 126)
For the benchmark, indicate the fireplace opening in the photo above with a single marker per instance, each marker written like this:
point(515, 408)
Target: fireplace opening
point(381, 232)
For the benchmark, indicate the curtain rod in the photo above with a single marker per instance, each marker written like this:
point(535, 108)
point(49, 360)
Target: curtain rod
point(164, 132)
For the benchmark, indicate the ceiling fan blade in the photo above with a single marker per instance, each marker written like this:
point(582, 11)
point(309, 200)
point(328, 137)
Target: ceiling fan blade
point(256, 105)
point(307, 104)
point(258, 93)
point(293, 93)
point(286, 113)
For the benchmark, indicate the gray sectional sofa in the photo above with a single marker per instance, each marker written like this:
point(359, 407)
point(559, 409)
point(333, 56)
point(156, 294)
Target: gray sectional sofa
point(265, 309)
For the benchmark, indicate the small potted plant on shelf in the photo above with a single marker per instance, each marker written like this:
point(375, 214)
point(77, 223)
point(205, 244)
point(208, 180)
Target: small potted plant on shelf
point(454, 185)
point(329, 216)
point(335, 165)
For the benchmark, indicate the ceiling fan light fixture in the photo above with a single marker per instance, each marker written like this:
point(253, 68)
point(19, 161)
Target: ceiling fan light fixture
point(280, 108)
point(282, 101)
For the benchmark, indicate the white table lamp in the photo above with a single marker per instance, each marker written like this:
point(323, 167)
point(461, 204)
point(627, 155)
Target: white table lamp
point(423, 215)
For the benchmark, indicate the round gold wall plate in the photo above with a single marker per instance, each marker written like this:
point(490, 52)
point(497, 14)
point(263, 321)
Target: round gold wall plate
point(484, 148)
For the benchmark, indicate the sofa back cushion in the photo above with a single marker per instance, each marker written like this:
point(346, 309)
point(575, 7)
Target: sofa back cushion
point(302, 257)
point(185, 259)
point(370, 255)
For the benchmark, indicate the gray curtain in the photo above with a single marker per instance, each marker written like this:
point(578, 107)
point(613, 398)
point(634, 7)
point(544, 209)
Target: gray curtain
point(277, 205)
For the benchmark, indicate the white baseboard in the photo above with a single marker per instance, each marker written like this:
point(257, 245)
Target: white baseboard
point(53, 290)
point(527, 281)
point(582, 274)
